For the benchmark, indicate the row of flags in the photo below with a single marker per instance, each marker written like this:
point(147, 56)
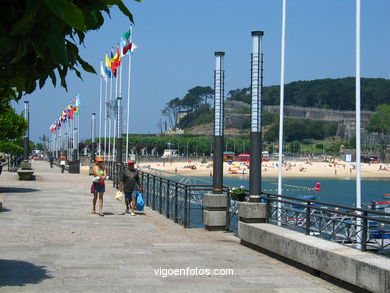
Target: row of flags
point(113, 62)
point(67, 114)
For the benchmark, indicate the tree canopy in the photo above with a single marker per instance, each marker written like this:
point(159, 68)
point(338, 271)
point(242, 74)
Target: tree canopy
point(12, 128)
point(380, 121)
point(338, 94)
point(38, 40)
point(196, 98)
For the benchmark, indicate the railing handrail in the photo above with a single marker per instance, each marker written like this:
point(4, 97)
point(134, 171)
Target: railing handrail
point(328, 204)
point(362, 216)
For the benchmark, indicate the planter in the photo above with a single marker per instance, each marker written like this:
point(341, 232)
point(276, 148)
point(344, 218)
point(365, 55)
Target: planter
point(238, 196)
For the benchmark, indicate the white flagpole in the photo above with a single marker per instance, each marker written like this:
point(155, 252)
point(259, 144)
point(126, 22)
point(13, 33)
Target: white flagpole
point(128, 109)
point(281, 107)
point(105, 121)
point(358, 140)
point(78, 129)
point(100, 108)
point(109, 121)
point(128, 98)
point(120, 91)
point(115, 103)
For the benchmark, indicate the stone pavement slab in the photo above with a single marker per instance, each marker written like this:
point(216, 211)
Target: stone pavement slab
point(50, 242)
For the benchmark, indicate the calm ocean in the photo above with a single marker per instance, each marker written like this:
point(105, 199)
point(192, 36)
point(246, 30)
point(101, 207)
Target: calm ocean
point(337, 191)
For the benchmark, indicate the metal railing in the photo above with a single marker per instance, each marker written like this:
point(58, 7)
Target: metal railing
point(358, 228)
point(180, 201)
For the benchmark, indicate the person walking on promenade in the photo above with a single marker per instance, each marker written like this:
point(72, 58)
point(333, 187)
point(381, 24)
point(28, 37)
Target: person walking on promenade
point(62, 162)
point(130, 185)
point(99, 186)
point(51, 160)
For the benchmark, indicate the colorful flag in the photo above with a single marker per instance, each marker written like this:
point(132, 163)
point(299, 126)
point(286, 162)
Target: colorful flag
point(103, 71)
point(115, 61)
point(126, 35)
point(127, 48)
point(77, 102)
point(108, 62)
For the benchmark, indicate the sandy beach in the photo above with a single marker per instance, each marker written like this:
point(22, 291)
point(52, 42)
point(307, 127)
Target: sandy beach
point(339, 169)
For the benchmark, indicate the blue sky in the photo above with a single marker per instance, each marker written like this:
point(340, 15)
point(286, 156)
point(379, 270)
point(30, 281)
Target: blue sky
point(177, 40)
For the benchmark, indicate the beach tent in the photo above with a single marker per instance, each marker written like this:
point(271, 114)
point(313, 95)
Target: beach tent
point(228, 156)
point(243, 157)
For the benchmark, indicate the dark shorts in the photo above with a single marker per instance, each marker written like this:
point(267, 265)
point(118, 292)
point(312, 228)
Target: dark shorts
point(100, 188)
point(130, 195)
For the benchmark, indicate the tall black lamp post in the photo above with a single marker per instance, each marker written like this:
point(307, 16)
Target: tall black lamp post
point(256, 106)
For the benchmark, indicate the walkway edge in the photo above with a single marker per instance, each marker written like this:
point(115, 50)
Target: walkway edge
point(362, 269)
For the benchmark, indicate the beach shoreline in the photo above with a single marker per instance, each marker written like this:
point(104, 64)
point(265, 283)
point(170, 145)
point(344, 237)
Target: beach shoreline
point(303, 169)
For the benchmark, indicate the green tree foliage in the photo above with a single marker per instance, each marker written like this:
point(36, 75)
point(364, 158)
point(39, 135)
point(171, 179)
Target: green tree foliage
point(300, 130)
point(380, 121)
point(242, 95)
point(197, 99)
point(200, 116)
point(171, 111)
point(204, 93)
point(12, 128)
point(38, 40)
point(328, 93)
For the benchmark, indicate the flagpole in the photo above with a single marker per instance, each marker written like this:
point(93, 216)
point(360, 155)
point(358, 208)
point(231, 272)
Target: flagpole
point(281, 107)
point(100, 108)
point(128, 96)
point(105, 121)
point(78, 123)
point(115, 128)
point(358, 139)
point(128, 109)
point(120, 96)
point(109, 121)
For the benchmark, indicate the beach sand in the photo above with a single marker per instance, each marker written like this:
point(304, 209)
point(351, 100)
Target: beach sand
point(340, 170)
point(293, 169)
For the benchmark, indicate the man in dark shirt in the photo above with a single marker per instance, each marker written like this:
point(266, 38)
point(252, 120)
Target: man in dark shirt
point(130, 185)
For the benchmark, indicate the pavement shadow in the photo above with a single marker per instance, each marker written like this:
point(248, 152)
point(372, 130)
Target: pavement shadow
point(3, 209)
point(108, 213)
point(19, 273)
point(17, 190)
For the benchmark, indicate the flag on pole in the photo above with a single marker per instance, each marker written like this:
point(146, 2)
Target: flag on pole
point(115, 61)
point(103, 71)
point(108, 62)
point(126, 35)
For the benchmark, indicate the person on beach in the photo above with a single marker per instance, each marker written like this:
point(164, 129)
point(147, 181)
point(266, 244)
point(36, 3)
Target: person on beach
point(98, 187)
point(130, 185)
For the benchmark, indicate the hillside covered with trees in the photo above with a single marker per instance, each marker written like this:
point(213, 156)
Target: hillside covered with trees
point(196, 107)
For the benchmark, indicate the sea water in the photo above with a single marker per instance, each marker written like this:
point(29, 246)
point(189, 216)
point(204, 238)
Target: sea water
point(336, 191)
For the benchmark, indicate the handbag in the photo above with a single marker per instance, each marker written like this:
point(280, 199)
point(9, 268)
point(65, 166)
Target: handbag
point(140, 202)
point(92, 188)
point(119, 196)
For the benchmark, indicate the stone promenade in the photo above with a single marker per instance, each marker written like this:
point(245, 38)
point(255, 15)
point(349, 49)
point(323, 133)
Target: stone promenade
point(50, 242)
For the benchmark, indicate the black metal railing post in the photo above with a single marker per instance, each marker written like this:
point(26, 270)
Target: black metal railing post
point(148, 189)
point(308, 212)
point(160, 196)
point(364, 232)
point(185, 206)
point(176, 202)
point(154, 193)
point(167, 203)
point(189, 207)
point(228, 217)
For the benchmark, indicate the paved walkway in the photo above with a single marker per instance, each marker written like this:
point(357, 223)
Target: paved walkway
point(51, 243)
